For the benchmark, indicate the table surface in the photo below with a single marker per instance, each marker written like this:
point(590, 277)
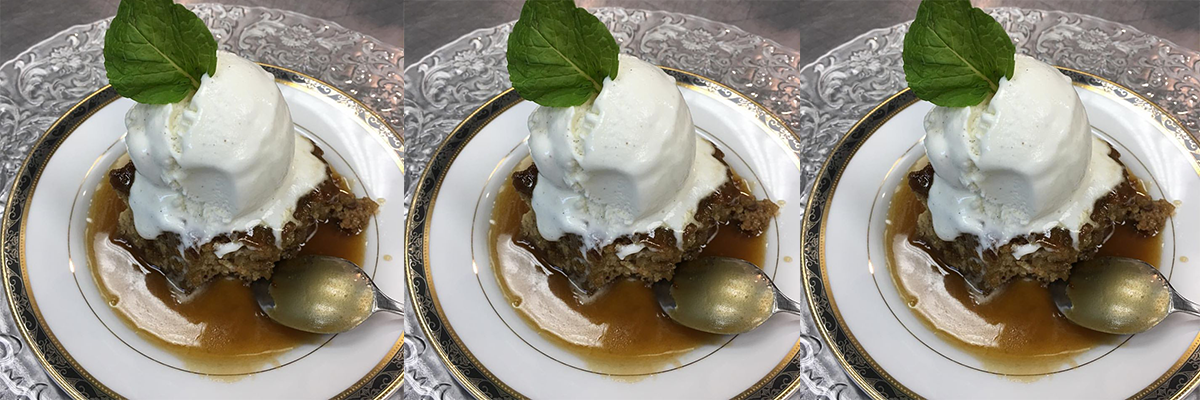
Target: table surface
point(810, 27)
point(25, 23)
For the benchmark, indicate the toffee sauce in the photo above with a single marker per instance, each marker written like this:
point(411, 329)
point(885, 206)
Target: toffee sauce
point(1014, 330)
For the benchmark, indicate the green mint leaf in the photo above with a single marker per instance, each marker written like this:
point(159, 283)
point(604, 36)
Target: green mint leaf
point(559, 54)
point(955, 54)
point(156, 51)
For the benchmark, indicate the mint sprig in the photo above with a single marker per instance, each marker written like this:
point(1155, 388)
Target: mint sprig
point(954, 54)
point(559, 54)
point(156, 51)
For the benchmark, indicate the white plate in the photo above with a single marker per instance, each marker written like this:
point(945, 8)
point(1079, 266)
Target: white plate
point(91, 353)
point(889, 353)
point(494, 353)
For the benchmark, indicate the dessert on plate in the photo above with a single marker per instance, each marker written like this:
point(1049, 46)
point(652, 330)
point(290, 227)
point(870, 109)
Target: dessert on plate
point(218, 185)
point(619, 188)
point(221, 184)
point(1013, 190)
point(1017, 186)
point(622, 186)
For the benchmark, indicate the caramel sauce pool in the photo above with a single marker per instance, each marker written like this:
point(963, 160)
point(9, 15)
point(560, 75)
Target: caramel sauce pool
point(620, 328)
point(216, 330)
point(1016, 329)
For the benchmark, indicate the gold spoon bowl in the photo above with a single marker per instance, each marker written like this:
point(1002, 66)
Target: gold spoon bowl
point(721, 295)
point(1118, 295)
point(320, 294)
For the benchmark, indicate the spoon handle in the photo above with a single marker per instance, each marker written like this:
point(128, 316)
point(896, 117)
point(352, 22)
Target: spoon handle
point(1181, 304)
point(385, 303)
point(785, 304)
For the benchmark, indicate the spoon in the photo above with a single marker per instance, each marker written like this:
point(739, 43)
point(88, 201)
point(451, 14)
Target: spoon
point(1118, 295)
point(721, 295)
point(320, 294)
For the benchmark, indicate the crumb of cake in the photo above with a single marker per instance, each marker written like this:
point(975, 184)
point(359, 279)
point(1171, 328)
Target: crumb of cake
point(729, 206)
point(992, 268)
point(258, 254)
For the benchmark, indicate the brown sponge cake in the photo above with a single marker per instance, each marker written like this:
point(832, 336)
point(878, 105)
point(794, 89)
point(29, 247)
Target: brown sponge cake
point(195, 266)
point(990, 269)
point(729, 205)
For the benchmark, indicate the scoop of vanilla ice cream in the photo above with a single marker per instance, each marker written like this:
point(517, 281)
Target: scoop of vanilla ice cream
point(628, 161)
point(1022, 162)
point(227, 158)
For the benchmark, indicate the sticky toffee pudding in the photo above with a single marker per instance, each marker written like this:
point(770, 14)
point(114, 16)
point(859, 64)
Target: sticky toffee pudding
point(1015, 328)
point(618, 328)
point(216, 328)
